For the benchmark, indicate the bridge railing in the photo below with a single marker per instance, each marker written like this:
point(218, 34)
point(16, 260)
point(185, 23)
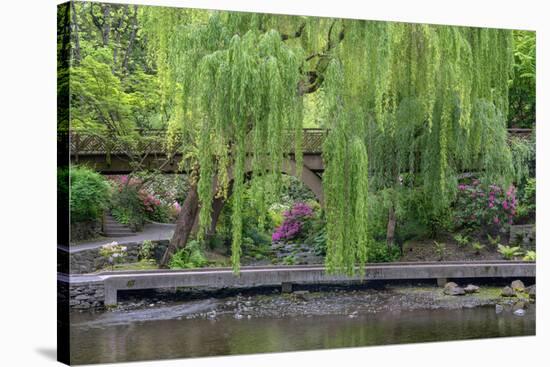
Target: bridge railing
point(154, 141)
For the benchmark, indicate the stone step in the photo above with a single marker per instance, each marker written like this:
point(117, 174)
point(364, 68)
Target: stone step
point(116, 229)
point(115, 226)
point(126, 233)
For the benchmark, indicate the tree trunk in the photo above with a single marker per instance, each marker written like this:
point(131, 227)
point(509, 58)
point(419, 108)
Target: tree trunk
point(217, 206)
point(392, 220)
point(75, 34)
point(130, 42)
point(184, 225)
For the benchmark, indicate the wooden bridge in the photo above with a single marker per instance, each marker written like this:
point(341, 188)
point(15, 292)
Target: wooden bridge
point(117, 156)
point(110, 156)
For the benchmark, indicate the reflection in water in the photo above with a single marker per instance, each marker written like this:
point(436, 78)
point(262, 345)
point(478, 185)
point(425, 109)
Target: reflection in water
point(130, 338)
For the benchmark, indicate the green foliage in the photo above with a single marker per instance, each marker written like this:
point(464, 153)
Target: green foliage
point(523, 157)
point(509, 252)
point(477, 247)
point(494, 242)
point(380, 252)
point(289, 260)
point(526, 209)
point(440, 249)
point(426, 99)
point(530, 256)
point(89, 194)
point(189, 257)
point(146, 250)
point(522, 89)
point(127, 207)
point(461, 240)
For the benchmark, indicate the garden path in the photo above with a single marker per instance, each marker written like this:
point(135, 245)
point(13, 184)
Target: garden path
point(151, 231)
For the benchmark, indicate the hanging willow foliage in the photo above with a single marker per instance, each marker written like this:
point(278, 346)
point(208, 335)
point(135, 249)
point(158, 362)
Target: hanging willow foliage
point(397, 98)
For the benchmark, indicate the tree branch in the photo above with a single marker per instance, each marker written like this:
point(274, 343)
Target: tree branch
point(296, 34)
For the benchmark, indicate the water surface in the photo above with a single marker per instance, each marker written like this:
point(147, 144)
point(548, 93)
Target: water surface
point(160, 333)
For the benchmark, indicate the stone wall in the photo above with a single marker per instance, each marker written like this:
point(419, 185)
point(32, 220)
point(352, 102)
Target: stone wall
point(85, 230)
point(86, 296)
point(90, 261)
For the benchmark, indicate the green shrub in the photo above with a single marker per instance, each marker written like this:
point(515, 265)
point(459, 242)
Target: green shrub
point(477, 247)
point(461, 240)
point(189, 257)
point(380, 252)
point(509, 252)
point(146, 250)
point(530, 256)
point(493, 241)
point(527, 203)
point(160, 214)
point(127, 207)
point(89, 196)
point(289, 260)
point(440, 249)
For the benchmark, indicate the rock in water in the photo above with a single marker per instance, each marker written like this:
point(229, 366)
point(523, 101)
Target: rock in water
point(508, 292)
point(454, 291)
point(470, 288)
point(518, 285)
point(519, 306)
point(301, 295)
point(499, 308)
point(451, 285)
point(519, 312)
point(532, 291)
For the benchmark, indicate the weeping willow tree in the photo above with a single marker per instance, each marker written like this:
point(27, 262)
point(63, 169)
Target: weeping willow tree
point(396, 98)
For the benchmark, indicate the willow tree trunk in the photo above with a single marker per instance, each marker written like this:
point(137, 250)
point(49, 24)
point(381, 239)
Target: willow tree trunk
point(184, 225)
point(390, 233)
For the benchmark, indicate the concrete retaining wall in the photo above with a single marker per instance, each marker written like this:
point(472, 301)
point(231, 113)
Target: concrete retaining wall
point(95, 290)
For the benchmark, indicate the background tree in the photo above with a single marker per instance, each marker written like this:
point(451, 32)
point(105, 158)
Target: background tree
point(523, 85)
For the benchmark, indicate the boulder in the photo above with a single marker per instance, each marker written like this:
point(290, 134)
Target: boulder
point(518, 286)
point(470, 288)
point(302, 295)
point(450, 285)
point(508, 292)
point(454, 291)
point(499, 308)
point(532, 291)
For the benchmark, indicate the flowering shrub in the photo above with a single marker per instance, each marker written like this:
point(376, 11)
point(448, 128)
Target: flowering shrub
point(294, 221)
point(134, 202)
point(114, 253)
point(490, 206)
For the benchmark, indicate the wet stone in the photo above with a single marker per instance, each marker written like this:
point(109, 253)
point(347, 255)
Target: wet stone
point(532, 291)
point(454, 291)
point(517, 285)
point(508, 292)
point(519, 312)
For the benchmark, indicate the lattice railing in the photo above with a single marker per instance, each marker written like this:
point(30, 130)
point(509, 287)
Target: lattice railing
point(154, 142)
